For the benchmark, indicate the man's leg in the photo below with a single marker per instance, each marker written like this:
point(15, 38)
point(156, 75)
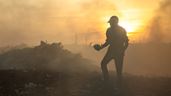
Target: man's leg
point(107, 58)
point(119, 66)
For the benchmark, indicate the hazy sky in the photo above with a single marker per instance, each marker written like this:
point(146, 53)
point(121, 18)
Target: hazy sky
point(29, 21)
point(137, 10)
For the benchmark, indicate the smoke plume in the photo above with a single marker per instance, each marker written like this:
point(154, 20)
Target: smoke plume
point(159, 29)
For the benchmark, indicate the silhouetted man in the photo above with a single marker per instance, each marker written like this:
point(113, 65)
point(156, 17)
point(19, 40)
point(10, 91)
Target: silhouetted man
point(118, 42)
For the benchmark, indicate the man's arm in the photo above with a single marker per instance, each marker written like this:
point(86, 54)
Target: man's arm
point(107, 40)
point(105, 44)
point(126, 41)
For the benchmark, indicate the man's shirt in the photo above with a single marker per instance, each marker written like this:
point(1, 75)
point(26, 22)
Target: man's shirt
point(117, 38)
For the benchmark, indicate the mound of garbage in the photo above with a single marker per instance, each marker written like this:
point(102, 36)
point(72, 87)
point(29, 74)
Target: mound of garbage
point(45, 57)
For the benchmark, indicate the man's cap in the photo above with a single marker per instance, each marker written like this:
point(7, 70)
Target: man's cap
point(113, 19)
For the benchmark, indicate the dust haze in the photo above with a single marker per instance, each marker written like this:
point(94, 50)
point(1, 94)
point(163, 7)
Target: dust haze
point(53, 20)
point(159, 29)
point(70, 21)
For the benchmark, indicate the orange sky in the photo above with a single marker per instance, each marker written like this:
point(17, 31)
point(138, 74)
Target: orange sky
point(136, 13)
point(29, 21)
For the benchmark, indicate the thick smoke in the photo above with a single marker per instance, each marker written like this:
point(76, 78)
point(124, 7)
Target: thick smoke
point(29, 21)
point(159, 29)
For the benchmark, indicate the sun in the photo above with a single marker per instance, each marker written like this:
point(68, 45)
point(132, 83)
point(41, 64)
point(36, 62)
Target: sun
point(133, 26)
point(129, 26)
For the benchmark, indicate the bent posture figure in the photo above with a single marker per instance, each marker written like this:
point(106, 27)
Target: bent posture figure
point(118, 42)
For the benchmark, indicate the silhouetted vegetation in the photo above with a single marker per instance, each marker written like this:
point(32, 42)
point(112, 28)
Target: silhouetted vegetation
point(44, 57)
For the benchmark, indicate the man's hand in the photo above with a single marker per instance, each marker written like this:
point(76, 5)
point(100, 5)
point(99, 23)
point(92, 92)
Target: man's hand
point(97, 47)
